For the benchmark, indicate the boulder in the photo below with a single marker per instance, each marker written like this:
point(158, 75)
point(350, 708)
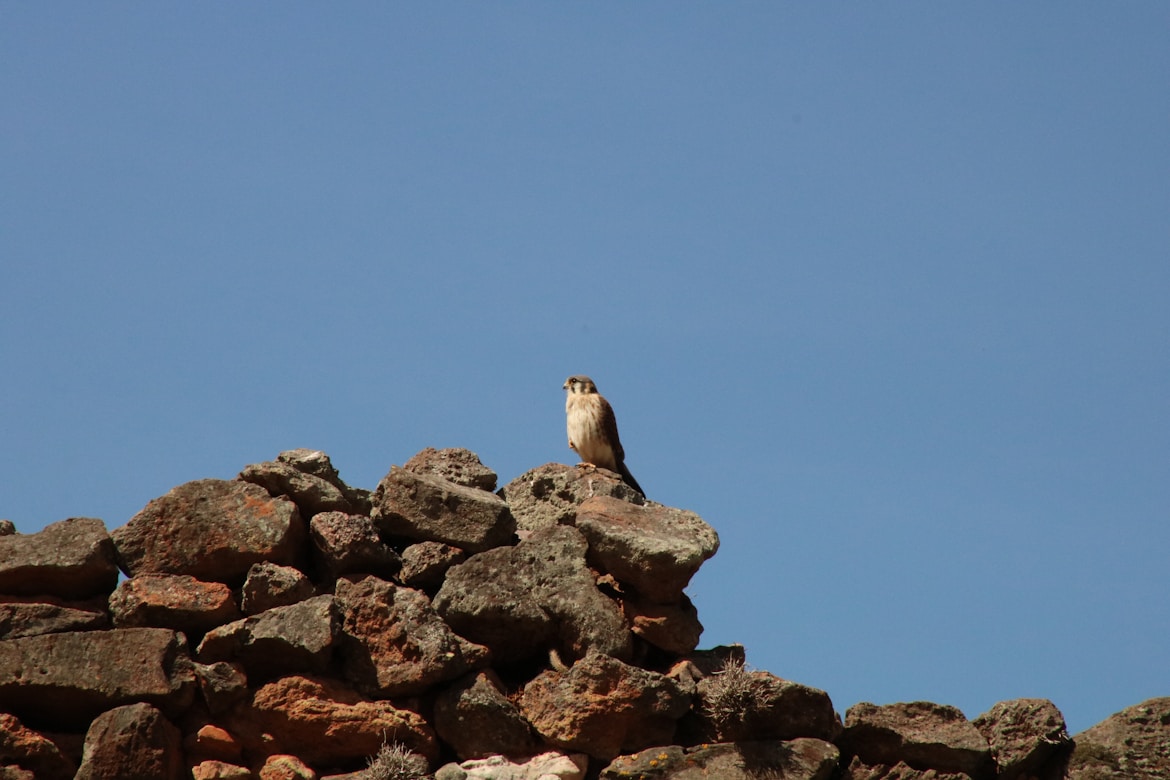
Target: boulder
point(425, 564)
point(654, 549)
point(222, 684)
point(73, 559)
point(521, 601)
point(35, 615)
point(344, 544)
point(286, 767)
point(134, 740)
point(220, 770)
point(175, 601)
point(798, 759)
point(393, 641)
point(211, 529)
point(921, 734)
point(269, 585)
point(1027, 738)
point(603, 707)
point(68, 679)
point(859, 770)
point(477, 720)
point(454, 464)
point(279, 641)
point(674, 628)
point(1131, 744)
point(549, 495)
point(311, 493)
point(423, 507)
point(552, 765)
point(325, 723)
point(318, 464)
point(33, 752)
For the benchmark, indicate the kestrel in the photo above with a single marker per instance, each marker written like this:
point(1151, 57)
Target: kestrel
point(592, 427)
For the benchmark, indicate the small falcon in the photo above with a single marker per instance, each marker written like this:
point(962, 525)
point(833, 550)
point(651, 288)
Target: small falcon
point(592, 427)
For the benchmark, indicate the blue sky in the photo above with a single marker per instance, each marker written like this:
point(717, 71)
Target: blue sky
point(879, 290)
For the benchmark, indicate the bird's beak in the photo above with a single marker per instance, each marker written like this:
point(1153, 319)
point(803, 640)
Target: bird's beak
point(565, 386)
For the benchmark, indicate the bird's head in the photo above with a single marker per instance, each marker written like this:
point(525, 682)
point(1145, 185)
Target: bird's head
point(579, 384)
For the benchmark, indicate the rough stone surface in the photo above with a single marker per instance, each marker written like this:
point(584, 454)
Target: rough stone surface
point(673, 627)
point(425, 564)
point(325, 723)
point(1133, 744)
point(344, 543)
point(603, 707)
point(422, 507)
point(549, 495)
point(859, 770)
point(552, 765)
point(35, 753)
point(454, 464)
point(395, 644)
point(798, 759)
point(269, 585)
point(7, 527)
point(286, 767)
point(654, 549)
point(318, 464)
point(220, 770)
point(522, 600)
point(173, 601)
point(36, 615)
point(73, 559)
point(222, 684)
point(68, 679)
point(736, 705)
point(134, 740)
point(475, 718)
point(310, 493)
point(1028, 739)
point(282, 640)
point(211, 529)
point(921, 734)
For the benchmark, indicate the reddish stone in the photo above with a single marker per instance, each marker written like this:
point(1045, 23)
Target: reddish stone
point(32, 751)
point(132, 741)
point(173, 601)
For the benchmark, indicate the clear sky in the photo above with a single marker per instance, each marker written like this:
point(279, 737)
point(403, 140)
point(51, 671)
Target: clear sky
point(880, 290)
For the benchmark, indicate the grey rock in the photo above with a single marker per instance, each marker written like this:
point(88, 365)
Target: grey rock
point(73, 559)
point(921, 734)
point(654, 549)
point(798, 759)
point(425, 564)
point(310, 493)
point(279, 641)
point(1129, 745)
point(549, 495)
point(35, 615)
point(1028, 739)
point(521, 601)
point(211, 529)
point(134, 740)
point(476, 719)
point(222, 684)
point(454, 464)
point(269, 585)
point(344, 544)
point(423, 507)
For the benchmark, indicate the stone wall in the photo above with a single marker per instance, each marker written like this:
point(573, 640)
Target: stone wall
point(285, 625)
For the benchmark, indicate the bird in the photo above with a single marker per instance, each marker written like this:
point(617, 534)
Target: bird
point(592, 428)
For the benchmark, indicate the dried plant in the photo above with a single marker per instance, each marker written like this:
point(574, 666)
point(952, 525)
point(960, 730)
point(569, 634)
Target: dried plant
point(731, 692)
point(394, 761)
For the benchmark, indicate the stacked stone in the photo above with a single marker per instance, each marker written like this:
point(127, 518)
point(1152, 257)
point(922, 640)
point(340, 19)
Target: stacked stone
point(285, 625)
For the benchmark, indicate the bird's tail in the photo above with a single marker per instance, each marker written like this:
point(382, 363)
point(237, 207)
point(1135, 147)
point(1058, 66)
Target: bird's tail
point(628, 478)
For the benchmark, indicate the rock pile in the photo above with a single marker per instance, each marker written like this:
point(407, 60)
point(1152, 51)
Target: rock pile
point(287, 626)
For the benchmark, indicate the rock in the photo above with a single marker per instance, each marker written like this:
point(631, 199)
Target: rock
point(211, 742)
point(476, 719)
point(310, 493)
point(522, 600)
point(15, 773)
point(1132, 744)
point(859, 770)
point(674, 628)
point(923, 735)
point(423, 507)
point(73, 559)
point(344, 544)
point(715, 660)
point(395, 644)
point(222, 685)
point(549, 495)
point(455, 464)
point(552, 765)
point(68, 679)
point(285, 767)
point(603, 707)
point(740, 705)
point(33, 752)
point(211, 529)
point(173, 601)
point(1028, 739)
point(325, 723)
point(318, 464)
point(269, 585)
point(134, 740)
point(220, 770)
point(425, 564)
point(798, 759)
point(279, 641)
point(654, 549)
point(35, 615)
point(7, 528)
